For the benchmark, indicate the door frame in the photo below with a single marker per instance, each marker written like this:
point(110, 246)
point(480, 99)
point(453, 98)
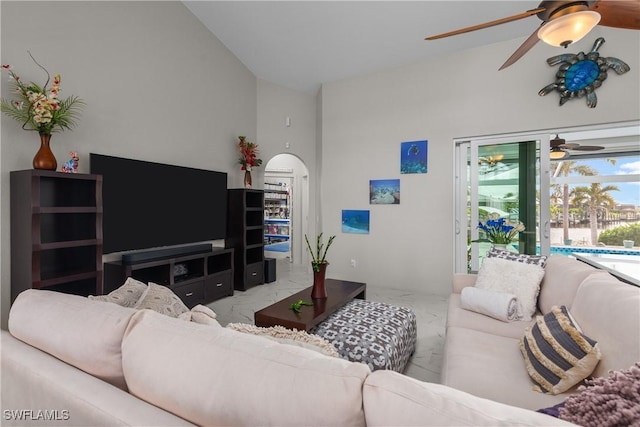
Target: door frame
point(462, 186)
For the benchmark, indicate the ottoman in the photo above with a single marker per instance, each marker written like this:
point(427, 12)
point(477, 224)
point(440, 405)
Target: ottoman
point(381, 335)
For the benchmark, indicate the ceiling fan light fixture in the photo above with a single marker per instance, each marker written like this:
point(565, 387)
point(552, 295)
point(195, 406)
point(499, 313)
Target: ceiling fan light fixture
point(569, 28)
point(557, 154)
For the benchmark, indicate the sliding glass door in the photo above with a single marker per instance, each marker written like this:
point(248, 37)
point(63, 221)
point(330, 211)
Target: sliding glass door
point(503, 177)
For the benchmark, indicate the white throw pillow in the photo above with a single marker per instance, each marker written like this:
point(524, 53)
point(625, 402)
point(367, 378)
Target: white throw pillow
point(161, 299)
point(126, 295)
point(517, 278)
point(288, 336)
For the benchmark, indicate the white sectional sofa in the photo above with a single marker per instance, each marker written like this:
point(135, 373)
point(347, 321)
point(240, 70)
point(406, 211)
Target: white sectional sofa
point(482, 354)
point(68, 360)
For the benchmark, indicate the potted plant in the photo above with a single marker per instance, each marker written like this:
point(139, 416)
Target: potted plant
point(248, 158)
point(39, 109)
point(319, 264)
point(499, 231)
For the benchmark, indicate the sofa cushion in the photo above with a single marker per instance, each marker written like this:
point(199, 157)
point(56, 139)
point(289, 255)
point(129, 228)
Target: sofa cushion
point(562, 277)
point(556, 352)
point(288, 336)
point(519, 279)
point(216, 376)
point(37, 381)
point(126, 295)
point(83, 333)
point(459, 317)
point(161, 299)
point(490, 366)
point(391, 399)
point(609, 311)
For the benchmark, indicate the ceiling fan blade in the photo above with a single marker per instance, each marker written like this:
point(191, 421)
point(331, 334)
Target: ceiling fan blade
point(570, 146)
point(487, 24)
point(588, 148)
point(619, 14)
point(524, 48)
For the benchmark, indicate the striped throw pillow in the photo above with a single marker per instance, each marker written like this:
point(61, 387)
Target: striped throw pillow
point(556, 352)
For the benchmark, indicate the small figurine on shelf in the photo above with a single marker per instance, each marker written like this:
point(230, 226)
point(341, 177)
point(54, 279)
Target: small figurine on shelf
point(71, 166)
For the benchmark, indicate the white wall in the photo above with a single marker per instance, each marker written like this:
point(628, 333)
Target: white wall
point(158, 86)
point(275, 103)
point(364, 120)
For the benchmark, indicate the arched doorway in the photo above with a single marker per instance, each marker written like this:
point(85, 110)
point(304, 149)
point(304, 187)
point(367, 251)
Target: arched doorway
point(287, 174)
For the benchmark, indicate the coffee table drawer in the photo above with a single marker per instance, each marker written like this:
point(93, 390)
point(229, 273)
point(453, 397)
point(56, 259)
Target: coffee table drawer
point(254, 274)
point(218, 286)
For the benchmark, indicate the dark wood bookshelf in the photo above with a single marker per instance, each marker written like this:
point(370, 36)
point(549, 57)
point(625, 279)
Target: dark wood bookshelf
point(56, 232)
point(245, 233)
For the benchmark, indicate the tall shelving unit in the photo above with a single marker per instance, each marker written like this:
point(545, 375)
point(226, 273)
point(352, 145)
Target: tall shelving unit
point(245, 226)
point(277, 219)
point(56, 232)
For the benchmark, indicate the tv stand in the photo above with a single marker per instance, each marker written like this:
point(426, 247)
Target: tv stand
point(198, 278)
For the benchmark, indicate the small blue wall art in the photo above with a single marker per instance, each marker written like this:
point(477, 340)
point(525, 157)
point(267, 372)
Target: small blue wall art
point(354, 221)
point(384, 192)
point(413, 157)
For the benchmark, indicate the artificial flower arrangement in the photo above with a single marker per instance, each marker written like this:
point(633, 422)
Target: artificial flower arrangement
point(499, 231)
point(38, 107)
point(248, 154)
point(319, 257)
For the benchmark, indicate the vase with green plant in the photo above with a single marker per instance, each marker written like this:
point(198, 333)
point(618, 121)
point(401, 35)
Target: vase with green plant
point(39, 109)
point(319, 264)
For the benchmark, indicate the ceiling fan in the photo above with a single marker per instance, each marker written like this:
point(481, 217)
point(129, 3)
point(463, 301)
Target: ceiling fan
point(565, 22)
point(560, 146)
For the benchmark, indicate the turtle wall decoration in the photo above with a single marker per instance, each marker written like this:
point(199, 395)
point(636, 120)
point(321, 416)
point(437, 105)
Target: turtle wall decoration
point(580, 75)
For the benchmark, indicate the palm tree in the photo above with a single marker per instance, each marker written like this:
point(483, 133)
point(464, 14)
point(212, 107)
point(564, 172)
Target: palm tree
point(566, 168)
point(596, 197)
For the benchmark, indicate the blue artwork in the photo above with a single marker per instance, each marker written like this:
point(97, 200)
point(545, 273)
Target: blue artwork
point(384, 192)
point(355, 222)
point(581, 74)
point(413, 157)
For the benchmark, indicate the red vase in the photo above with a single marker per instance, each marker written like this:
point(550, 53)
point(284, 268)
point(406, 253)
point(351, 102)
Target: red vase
point(318, 291)
point(44, 158)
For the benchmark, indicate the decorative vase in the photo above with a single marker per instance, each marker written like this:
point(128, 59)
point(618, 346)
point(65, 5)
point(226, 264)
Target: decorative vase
point(44, 158)
point(500, 246)
point(319, 291)
point(247, 179)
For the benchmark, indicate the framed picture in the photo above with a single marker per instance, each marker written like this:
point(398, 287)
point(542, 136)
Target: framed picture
point(356, 222)
point(384, 192)
point(413, 157)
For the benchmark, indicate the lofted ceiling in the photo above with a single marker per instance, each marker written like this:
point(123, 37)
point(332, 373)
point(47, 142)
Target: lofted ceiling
point(302, 44)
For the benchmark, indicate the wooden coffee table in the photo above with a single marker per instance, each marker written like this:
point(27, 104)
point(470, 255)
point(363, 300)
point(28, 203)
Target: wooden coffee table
point(339, 292)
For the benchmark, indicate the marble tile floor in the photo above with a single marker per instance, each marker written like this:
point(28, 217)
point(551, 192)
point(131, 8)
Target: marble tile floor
point(430, 312)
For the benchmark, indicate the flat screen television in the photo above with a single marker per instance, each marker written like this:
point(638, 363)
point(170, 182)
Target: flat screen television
point(153, 205)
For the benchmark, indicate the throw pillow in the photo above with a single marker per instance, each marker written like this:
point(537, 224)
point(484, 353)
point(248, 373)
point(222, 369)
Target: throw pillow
point(288, 336)
point(556, 353)
point(610, 401)
point(200, 314)
point(126, 295)
point(520, 279)
point(161, 299)
point(540, 260)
